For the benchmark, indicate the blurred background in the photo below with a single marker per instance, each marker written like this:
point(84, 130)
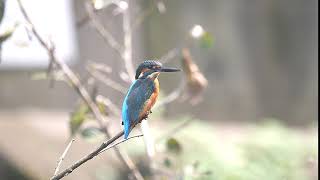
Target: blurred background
point(253, 114)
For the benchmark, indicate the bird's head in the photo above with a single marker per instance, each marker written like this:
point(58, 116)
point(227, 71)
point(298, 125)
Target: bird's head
point(152, 69)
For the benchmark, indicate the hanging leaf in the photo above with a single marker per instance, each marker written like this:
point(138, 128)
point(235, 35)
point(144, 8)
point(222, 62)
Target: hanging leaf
point(174, 146)
point(196, 81)
point(78, 117)
point(92, 134)
point(206, 40)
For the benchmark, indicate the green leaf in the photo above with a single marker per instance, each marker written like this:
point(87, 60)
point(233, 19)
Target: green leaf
point(206, 41)
point(167, 162)
point(174, 146)
point(102, 108)
point(78, 117)
point(92, 134)
point(7, 34)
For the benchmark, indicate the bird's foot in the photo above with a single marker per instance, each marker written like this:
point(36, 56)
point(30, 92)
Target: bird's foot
point(147, 115)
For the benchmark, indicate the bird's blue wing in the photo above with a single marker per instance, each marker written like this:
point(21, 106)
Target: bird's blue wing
point(134, 102)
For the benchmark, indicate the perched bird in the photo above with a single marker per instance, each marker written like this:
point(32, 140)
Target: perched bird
point(142, 94)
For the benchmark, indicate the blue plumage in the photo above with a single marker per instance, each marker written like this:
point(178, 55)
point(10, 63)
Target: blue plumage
point(134, 102)
point(142, 94)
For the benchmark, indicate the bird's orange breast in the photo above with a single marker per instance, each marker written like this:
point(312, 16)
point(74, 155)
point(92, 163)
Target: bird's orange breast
point(152, 100)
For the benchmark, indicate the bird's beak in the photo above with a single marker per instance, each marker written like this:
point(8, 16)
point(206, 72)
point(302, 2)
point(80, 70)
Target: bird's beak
point(168, 69)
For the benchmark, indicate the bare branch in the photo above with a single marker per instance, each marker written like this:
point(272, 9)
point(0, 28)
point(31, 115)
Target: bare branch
point(174, 95)
point(62, 157)
point(142, 16)
point(109, 103)
point(147, 12)
point(169, 56)
point(107, 81)
point(86, 18)
point(100, 67)
point(80, 89)
point(127, 54)
point(102, 31)
point(87, 157)
point(122, 141)
point(72, 78)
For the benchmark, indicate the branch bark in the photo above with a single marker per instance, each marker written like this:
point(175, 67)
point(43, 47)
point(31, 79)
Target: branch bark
point(87, 157)
point(101, 30)
point(62, 157)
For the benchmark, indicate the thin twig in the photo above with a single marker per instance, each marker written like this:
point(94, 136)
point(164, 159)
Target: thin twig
point(109, 104)
point(107, 81)
point(99, 67)
point(62, 157)
point(80, 89)
point(127, 54)
point(102, 31)
point(73, 79)
point(122, 141)
point(142, 16)
point(174, 95)
point(87, 157)
point(86, 18)
point(169, 56)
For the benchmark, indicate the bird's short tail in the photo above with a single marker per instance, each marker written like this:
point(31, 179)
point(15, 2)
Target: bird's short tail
point(127, 129)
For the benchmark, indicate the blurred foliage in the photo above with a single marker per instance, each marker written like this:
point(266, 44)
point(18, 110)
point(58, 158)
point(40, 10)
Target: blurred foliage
point(81, 114)
point(102, 108)
point(173, 146)
point(206, 41)
point(78, 117)
point(268, 151)
point(7, 34)
point(92, 134)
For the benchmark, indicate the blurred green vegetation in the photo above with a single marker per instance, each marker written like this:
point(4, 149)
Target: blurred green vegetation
point(268, 151)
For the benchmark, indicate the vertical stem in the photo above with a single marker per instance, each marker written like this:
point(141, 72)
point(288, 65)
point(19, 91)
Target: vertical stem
point(148, 139)
point(127, 54)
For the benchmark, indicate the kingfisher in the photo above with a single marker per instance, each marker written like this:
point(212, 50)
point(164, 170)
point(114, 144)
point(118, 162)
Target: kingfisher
point(142, 94)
